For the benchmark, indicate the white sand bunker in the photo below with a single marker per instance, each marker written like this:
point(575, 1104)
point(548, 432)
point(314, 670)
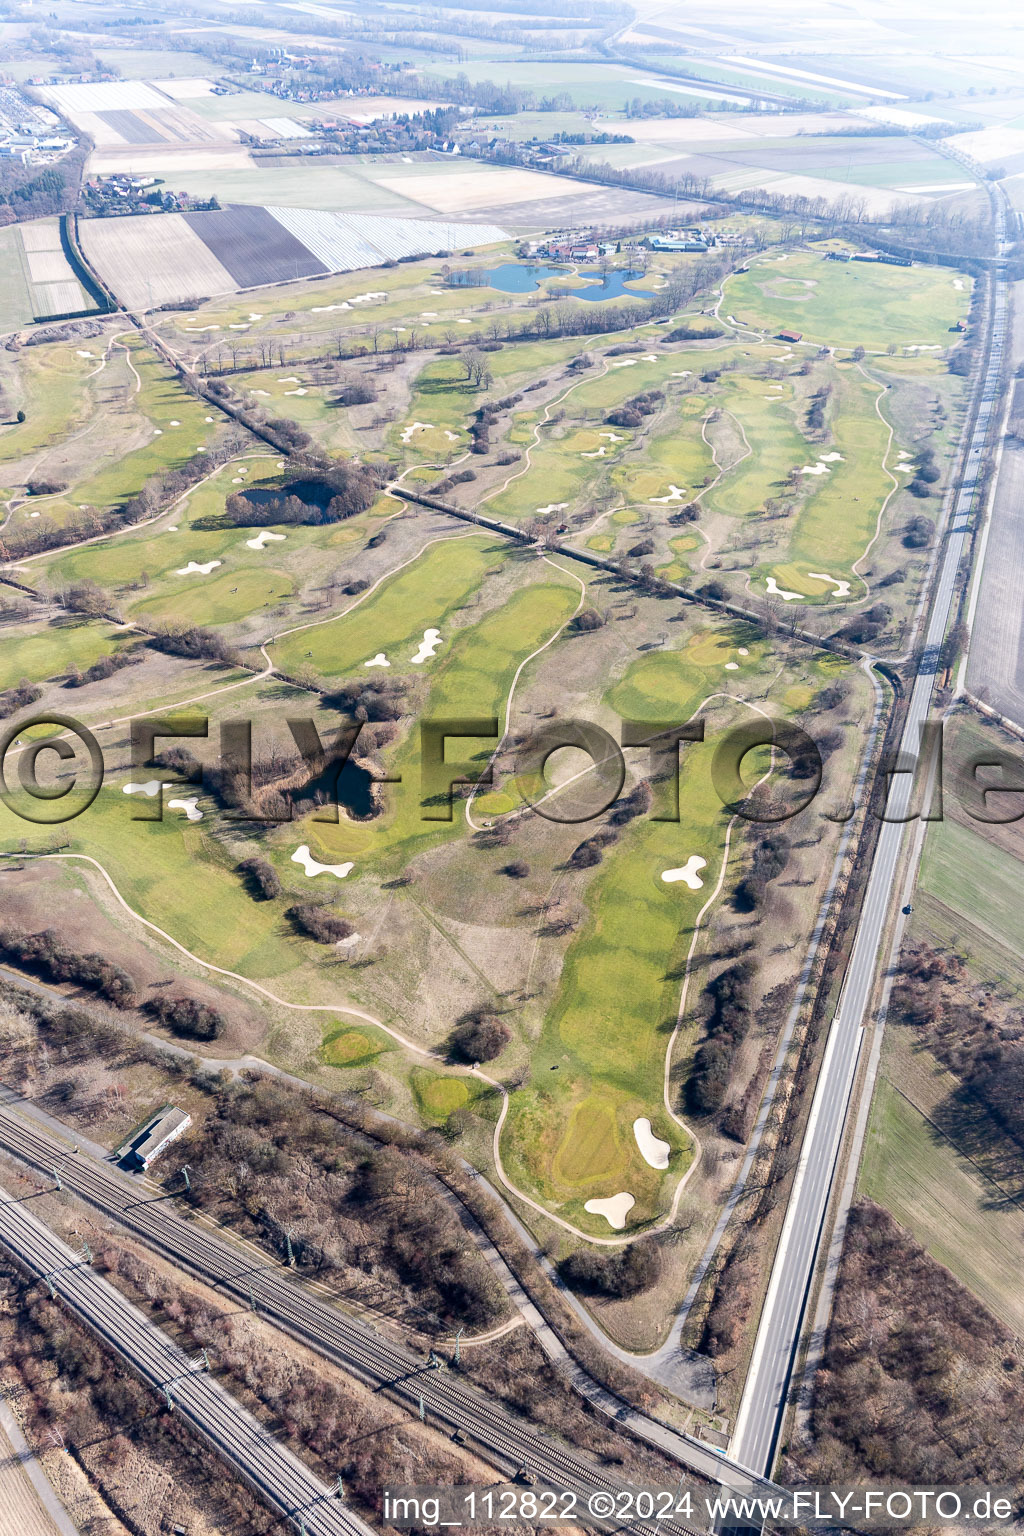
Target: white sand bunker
point(303, 856)
point(323, 309)
point(958, 282)
point(774, 590)
point(150, 788)
point(452, 437)
point(194, 568)
point(842, 587)
point(188, 806)
point(158, 431)
point(463, 322)
point(552, 506)
point(290, 380)
point(89, 354)
point(653, 1150)
point(684, 373)
point(428, 645)
point(626, 362)
point(417, 426)
point(380, 660)
point(688, 873)
point(598, 453)
point(296, 391)
point(675, 493)
point(255, 317)
point(614, 1209)
point(613, 437)
point(263, 538)
point(208, 418)
point(649, 357)
point(239, 325)
point(353, 938)
point(367, 298)
point(732, 666)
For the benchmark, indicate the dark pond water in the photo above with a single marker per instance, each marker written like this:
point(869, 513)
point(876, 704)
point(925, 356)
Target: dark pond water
point(526, 277)
point(350, 787)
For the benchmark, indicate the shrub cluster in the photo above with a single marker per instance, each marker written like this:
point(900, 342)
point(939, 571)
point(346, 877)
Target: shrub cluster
point(47, 955)
point(187, 1016)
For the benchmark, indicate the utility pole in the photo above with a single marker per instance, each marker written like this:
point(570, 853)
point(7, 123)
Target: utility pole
point(458, 1338)
point(188, 1182)
point(288, 1241)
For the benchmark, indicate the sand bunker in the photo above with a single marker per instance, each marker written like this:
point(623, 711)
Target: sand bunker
point(380, 660)
point(774, 590)
point(452, 437)
point(150, 788)
point(653, 1150)
point(417, 426)
point(296, 391)
point(89, 354)
point(598, 453)
point(613, 437)
point(305, 858)
point(367, 298)
point(353, 938)
point(626, 362)
point(675, 493)
point(684, 373)
point(614, 1209)
point(188, 806)
point(428, 645)
point(743, 651)
point(193, 568)
point(209, 418)
point(291, 380)
point(732, 666)
point(158, 431)
point(842, 587)
point(263, 538)
point(552, 506)
point(688, 873)
point(463, 322)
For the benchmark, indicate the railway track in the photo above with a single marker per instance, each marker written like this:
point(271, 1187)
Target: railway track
point(512, 1445)
point(278, 1475)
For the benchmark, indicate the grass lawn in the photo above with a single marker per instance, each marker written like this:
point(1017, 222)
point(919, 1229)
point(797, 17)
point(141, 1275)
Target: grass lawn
point(438, 1096)
point(964, 1220)
point(344, 1046)
point(472, 676)
point(395, 617)
point(163, 402)
point(41, 652)
point(219, 598)
point(178, 875)
point(56, 396)
point(849, 304)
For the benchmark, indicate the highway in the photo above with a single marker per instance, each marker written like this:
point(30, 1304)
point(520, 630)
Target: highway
point(755, 1438)
point(449, 1403)
point(278, 1475)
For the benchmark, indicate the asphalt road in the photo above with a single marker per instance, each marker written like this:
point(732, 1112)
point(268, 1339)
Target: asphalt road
point(755, 1437)
point(245, 1444)
point(448, 1401)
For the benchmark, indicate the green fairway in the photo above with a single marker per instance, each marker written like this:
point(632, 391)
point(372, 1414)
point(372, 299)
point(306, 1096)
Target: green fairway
point(571, 1138)
point(39, 653)
point(177, 874)
point(55, 397)
point(395, 618)
point(179, 427)
point(219, 598)
point(471, 678)
point(849, 304)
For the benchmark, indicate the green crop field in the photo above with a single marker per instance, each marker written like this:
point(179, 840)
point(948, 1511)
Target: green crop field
point(974, 879)
point(16, 308)
point(849, 304)
point(935, 1189)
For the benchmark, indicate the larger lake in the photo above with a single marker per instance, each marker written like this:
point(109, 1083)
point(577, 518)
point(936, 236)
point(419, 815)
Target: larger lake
point(525, 277)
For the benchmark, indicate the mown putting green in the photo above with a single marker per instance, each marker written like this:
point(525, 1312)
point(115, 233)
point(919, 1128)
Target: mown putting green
point(849, 304)
point(346, 1047)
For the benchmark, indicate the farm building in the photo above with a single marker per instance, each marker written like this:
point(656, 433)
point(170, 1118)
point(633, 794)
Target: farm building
point(897, 261)
point(790, 336)
point(157, 1135)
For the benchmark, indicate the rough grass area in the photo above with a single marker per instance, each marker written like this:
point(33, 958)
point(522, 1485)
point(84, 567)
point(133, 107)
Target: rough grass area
point(974, 879)
point(849, 304)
